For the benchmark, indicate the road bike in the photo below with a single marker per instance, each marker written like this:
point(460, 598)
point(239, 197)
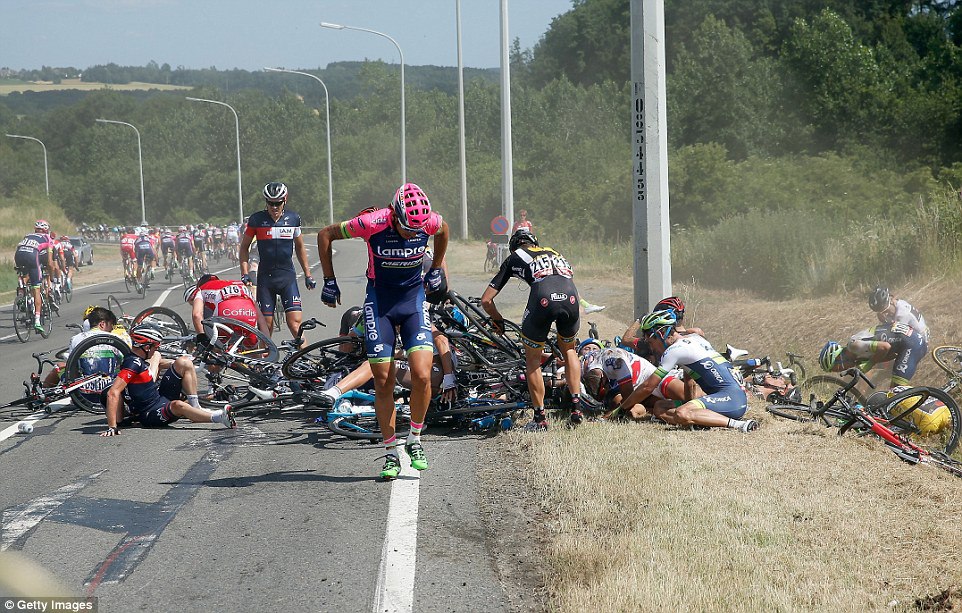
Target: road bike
point(130, 276)
point(24, 311)
point(37, 396)
point(919, 424)
point(146, 273)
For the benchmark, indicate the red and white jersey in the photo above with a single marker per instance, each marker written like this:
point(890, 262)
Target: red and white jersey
point(621, 367)
point(230, 299)
point(127, 243)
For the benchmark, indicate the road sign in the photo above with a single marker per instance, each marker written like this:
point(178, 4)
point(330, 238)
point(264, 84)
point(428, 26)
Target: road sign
point(500, 225)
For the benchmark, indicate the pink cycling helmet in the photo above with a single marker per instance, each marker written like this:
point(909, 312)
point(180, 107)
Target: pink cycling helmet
point(411, 207)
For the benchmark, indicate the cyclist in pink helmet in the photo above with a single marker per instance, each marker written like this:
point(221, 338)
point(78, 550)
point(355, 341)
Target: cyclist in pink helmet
point(397, 239)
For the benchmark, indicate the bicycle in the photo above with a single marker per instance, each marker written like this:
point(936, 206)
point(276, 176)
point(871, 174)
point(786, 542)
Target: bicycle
point(146, 272)
point(130, 276)
point(919, 424)
point(24, 311)
point(36, 396)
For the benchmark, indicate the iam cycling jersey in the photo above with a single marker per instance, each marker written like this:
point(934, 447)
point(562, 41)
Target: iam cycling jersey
point(908, 348)
point(28, 253)
point(167, 243)
point(275, 239)
point(710, 370)
point(144, 249)
point(127, 245)
point(553, 296)
point(393, 261)
point(185, 244)
point(147, 401)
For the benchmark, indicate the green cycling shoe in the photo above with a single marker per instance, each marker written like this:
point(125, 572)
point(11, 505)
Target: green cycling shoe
point(392, 467)
point(416, 452)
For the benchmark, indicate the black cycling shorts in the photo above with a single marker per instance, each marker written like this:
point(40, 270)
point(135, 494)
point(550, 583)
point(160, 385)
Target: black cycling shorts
point(553, 300)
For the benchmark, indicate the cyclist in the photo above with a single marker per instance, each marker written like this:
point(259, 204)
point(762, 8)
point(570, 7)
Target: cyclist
point(610, 375)
point(630, 338)
point(147, 400)
point(724, 402)
point(168, 246)
point(71, 259)
point(232, 238)
point(201, 239)
point(872, 346)
point(278, 234)
point(146, 254)
point(890, 310)
point(127, 252)
point(396, 296)
point(97, 320)
point(213, 297)
point(27, 260)
point(185, 248)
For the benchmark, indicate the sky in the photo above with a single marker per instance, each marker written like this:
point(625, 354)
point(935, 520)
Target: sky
point(252, 34)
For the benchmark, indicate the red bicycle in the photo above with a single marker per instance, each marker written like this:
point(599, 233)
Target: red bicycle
point(920, 425)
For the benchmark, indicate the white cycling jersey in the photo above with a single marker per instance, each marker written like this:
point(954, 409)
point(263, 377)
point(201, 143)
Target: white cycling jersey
point(906, 314)
point(696, 356)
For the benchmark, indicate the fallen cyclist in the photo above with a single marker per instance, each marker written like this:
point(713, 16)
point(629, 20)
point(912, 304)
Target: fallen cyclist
point(151, 403)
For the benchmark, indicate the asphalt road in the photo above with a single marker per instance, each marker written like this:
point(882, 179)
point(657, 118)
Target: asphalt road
point(276, 515)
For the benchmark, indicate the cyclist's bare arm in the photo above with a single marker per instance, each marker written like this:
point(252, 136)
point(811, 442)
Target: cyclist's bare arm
point(114, 403)
point(301, 253)
point(639, 393)
point(325, 237)
point(197, 313)
point(243, 253)
point(441, 246)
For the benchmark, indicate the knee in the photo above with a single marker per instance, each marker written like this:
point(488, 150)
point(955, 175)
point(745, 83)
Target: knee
point(183, 365)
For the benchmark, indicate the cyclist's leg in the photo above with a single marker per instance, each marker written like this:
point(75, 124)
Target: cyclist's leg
point(266, 301)
point(534, 332)
point(291, 300)
point(412, 316)
point(379, 344)
point(911, 352)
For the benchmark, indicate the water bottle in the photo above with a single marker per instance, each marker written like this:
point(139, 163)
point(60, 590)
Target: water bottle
point(506, 423)
point(753, 362)
point(25, 427)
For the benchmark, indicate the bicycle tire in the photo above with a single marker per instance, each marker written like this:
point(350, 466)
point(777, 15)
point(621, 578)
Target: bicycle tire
point(74, 371)
point(233, 345)
point(68, 291)
point(128, 281)
point(943, 440)
point(949, 359)
point(114, 306)
point(166, 319)
point(319, 359)
point(46, 318)
point(824, 386)
point(21, 317)
point(364, 426)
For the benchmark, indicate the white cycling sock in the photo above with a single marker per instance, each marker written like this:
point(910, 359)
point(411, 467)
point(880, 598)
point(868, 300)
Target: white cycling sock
point(193, 401)
point(217, 416)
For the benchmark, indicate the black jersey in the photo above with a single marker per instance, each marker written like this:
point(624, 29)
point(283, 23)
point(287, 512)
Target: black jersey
point(531, 264)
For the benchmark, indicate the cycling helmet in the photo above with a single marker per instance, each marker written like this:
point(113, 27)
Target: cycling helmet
point(829, 355)
point(659, 323)
point(182, 229)
point(275, 191)
point(41, 226)
point(674, 303)
point(146, 335)
point(129, 230)
point(411, 207)
point(878, 300)
point(520, 237)
point(588, 343)
point(190, 293)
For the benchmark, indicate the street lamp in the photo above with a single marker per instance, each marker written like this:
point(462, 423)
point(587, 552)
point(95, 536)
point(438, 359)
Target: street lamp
point(335, 26)
point(46, 175)
point(140, 156)
point(327, 106)
point(240, 192)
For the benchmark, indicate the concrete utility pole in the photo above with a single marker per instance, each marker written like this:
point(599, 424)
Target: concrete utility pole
point(649, 137)
point(507, 166)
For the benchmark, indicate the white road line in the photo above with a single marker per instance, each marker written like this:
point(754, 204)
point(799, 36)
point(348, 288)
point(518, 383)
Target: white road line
point(395, 580)
point(11, 430)
point(20, 520)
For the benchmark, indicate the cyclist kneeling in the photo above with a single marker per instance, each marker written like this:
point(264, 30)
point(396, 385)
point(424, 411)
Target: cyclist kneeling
point(875, 345)
point(135, 389)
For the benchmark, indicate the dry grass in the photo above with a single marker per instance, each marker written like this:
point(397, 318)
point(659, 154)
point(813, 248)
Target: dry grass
point(46, 86)
point(644, 517)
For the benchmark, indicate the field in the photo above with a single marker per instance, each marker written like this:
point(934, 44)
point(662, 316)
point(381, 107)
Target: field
point(8, 86)
point(646, 517)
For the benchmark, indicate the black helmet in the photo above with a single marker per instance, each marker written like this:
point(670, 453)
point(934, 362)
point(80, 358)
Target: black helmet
point(878, 300)
point(275, 191)
point(520, 237)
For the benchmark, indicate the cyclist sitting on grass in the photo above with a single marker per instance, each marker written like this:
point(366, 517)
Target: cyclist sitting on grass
point(724, 402)
point(630, 337)
point(136, 390)
point(870, 347)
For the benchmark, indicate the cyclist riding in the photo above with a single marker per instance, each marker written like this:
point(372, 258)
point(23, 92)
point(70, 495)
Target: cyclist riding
point(127, 252)
point(201, 243)
point(185, 248)
point(278, 234)
point(168, 246)
point(27, 261)
point(396, 295)
point(553, 298)
point(146, 254)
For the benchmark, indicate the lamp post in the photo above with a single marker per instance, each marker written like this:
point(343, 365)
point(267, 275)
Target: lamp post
point(464, 170)
point(335, 26)
point(240, 191)
point(140, 157)
point(327, 110)
point(46, 174)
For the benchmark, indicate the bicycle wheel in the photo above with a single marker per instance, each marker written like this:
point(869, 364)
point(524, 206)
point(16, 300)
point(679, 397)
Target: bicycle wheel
point(166, 319)
point(927, 416)
point(949, 359)
point(67, 291)
point(99, 353)
point(22, 316)
point(364, 426)
point(792, 411)
point(46, 319)
point(318, 359)
point(235, 338)
point(129, 280)
point(824, 386)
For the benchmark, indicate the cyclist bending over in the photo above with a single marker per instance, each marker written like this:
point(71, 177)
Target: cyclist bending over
point(396, 239)
point(878, 344)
